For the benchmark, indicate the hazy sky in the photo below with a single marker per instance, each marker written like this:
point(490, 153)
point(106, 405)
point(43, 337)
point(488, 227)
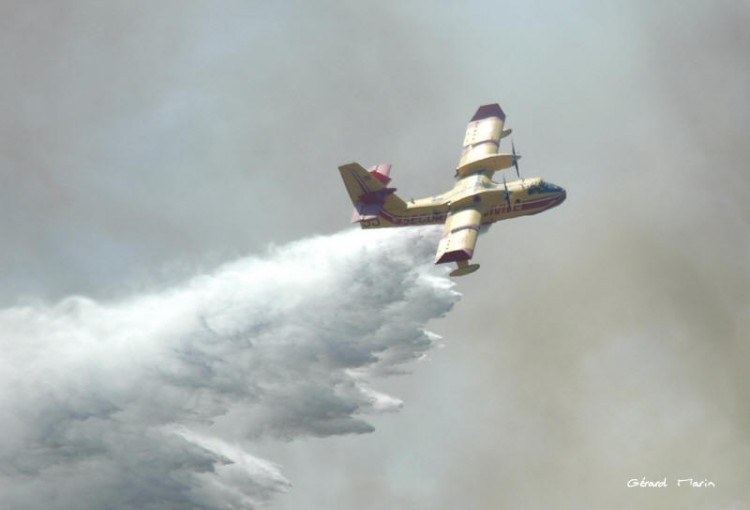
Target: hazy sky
point(142, 144)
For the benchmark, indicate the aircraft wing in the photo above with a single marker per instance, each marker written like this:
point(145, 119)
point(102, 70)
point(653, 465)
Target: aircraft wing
point(459, 236)
point(483, 134)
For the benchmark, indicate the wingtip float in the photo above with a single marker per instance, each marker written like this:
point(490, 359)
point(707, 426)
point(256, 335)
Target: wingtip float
point(475, 199)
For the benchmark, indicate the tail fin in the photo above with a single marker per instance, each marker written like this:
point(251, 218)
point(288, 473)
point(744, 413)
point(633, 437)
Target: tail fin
point(368, 190)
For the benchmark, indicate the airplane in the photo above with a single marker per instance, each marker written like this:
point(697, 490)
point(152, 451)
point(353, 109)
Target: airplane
point(474, 201)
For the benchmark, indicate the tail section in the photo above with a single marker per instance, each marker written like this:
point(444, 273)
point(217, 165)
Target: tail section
point(369, 194)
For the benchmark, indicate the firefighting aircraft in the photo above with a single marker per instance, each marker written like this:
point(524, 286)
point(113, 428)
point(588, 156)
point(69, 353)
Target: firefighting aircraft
point(475, 200)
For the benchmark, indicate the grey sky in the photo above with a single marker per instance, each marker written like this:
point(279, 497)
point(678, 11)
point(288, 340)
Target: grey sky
point(142, 143)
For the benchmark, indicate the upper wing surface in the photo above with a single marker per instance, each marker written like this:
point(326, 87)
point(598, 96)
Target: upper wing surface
point(459, 236)
point(483, 134)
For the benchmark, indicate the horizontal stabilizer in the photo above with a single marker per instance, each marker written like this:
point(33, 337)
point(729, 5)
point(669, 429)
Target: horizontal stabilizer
point(368, 191)
point(381, 172)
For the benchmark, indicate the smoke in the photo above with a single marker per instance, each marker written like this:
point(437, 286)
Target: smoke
point(154, 401)
point(599, 342)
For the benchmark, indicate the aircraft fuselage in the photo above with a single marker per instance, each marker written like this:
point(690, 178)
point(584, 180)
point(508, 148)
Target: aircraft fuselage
point(524, 197)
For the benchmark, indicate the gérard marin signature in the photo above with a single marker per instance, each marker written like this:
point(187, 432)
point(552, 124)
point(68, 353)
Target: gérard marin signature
point(694, 483)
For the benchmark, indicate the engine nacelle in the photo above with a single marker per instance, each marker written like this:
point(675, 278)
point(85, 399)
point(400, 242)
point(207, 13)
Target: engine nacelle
point(492, 163)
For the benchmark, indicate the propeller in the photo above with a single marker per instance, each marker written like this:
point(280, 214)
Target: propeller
point(507, 194)
point(516, 157)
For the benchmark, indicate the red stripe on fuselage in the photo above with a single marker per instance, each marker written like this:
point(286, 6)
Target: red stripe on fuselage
point(530, 207)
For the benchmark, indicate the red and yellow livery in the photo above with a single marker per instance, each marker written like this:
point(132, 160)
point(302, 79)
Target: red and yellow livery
point(474, 200)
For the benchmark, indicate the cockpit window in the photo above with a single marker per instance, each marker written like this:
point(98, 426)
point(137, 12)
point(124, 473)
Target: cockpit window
point(544, 187)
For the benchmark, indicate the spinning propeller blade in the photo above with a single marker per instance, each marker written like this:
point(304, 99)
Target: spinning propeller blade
point(516, 157)
point(507, 195)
